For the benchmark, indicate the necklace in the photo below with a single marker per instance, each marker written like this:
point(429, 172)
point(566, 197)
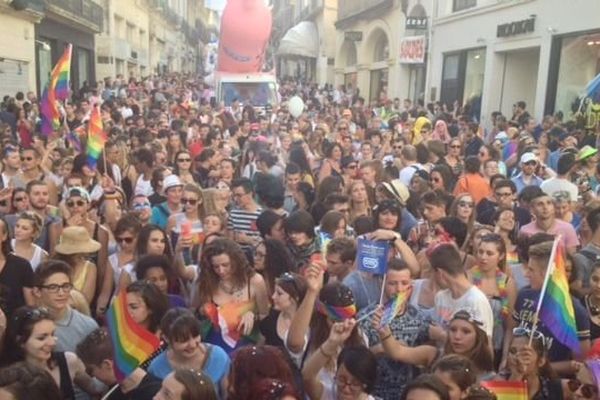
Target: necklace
point(229, 289)
point(593, 309)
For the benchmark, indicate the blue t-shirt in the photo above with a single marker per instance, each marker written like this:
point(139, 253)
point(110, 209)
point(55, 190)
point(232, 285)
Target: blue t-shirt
point(524, 311)
point(216, 366)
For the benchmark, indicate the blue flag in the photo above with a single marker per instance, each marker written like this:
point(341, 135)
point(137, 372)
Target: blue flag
point(372, 256)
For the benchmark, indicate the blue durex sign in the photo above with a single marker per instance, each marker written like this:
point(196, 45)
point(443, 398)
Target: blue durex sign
point(372, 256)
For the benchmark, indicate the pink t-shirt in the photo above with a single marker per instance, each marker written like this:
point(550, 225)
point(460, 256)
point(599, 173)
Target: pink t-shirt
point(568, 235)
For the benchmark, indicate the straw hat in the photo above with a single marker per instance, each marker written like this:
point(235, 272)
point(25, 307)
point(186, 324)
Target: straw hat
point(76, 240)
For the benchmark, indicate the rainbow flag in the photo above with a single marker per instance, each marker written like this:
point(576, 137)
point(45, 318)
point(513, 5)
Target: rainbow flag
point(57, 88)
point(96, 138)
point(507, 390)
point(556, 308)
point(132, 344)
point(393, 307)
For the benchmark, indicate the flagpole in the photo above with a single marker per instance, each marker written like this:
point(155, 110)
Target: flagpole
point(549, 271)
point(382, 289)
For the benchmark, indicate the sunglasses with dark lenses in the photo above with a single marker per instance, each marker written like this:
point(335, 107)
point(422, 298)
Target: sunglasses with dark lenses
point(288, 277)
point(521, 331)
point(127, 240)
point(191, 202)
point(184, 160)
point(534, 163)
point(78, 203)
point(19, 199)
point(26, 158)
point(587, 390)
point(466, 204)
point(455, 146)
point(35, 314)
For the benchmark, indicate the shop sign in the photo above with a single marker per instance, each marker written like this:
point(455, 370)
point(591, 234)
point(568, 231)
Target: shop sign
point(416, 23)
point(516, 28)
point(412, 50)
point(353, 36)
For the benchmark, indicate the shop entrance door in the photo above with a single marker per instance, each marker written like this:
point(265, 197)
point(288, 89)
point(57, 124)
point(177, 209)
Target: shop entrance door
point(519, 79)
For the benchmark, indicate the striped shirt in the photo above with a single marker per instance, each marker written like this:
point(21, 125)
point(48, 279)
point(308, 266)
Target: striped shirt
point(242, 221)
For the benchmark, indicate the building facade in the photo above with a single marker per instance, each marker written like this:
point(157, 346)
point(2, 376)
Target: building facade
point(17, 47)
point(492, 53)
point(304, 39)
point(382, 48)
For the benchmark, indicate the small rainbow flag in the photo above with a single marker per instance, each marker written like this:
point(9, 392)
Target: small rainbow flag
point(132, 344)
point(393, 307)
point(57, 88)
point(556, 308)
point(507, 390)
point(96, 138)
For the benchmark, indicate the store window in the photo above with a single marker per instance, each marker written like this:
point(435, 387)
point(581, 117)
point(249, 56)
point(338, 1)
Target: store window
point(44, 61)
point(579, 64)
point(378, 87)
point(462, 79)
point(459, 5)
point(83, 63)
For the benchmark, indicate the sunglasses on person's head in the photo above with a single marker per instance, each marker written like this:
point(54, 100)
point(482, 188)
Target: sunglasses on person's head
point(521, 331)
point(73, 203)
point(588, 391)
point(191, 202)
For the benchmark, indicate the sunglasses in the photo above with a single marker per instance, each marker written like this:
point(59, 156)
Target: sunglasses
point(352, 166)
point(587, 390)
point(141, 206)
point(191, 202)
point(521, 331)
point(532, 163)
point(19, 199)
point(35, 314)
point(184, 160)
point(455, 146)
point(466, 204)
point(288, 277)
point(127, 240)
point(26, 158)
point(78, 203)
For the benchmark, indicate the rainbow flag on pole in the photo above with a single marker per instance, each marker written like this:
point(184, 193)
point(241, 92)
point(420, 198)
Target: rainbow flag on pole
point(556, 305)
point(393, 307)
point(56, 89)
point(507, 390)
point(132, 344)
point(96, 137)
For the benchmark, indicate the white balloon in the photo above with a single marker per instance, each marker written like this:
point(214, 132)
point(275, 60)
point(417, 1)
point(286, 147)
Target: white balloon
point(296, 106)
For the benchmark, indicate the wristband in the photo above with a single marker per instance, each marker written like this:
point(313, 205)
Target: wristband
point(386, 337)
point(323, 352)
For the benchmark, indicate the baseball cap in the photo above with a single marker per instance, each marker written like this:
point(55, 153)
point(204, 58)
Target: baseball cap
point(586, 151)
point(527, 157)
point(78, 191)
point(171, 181)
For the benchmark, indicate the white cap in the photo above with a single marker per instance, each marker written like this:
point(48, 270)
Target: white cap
point(526, 157)
point(171, 181)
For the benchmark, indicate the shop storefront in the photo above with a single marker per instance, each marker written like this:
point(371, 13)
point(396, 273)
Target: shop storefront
point(462, 79)
point(575, 60)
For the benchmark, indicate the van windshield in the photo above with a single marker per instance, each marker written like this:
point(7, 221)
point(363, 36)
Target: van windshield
point(258, 94)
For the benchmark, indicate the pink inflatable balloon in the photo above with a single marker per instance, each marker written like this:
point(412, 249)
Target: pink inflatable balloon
point(245, 31)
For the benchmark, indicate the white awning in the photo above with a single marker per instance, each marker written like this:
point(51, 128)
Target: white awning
point(301, 40)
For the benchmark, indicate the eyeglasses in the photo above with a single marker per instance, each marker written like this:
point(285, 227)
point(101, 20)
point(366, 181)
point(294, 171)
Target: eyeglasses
point(466, 204)
point(342, 383)
point(127, 240)
point(19, 199)
point(26, 158)
point(191, 202)
point(139, 206)
point(65, 287)
point(521, 331)
point(184, 160)
point(587, 390)
point(78, 203)
point(352, 166)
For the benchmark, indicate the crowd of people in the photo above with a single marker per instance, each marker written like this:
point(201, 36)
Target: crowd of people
point(233, 232)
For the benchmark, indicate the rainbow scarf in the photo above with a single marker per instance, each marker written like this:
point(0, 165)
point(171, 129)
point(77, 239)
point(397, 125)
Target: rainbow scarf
point(394, 306)
point(501, 280)
point(96, 138)
point(132, 344)
point(507, 390)
point(335, 313)
point(57, 88)
point(557, 312)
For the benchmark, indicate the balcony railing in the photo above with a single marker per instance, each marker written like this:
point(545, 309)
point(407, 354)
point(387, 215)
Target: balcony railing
point(86, 10)
point(350, 8)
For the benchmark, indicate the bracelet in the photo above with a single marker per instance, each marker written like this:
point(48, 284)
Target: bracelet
point(323, 352)
point(383, 339)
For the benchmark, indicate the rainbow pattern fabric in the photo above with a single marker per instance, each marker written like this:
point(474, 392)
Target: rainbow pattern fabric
point(132, 344)
point(507, 390)
point(336, 314)
point(96, 138)
point(56, 89)
point(393, 307)
point(557, 312)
